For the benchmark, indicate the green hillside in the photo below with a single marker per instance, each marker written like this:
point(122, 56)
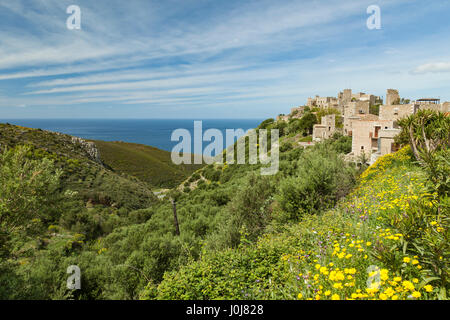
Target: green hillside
point(149, 164)
point(327, 256)
point(320, 228)
point(82, 172)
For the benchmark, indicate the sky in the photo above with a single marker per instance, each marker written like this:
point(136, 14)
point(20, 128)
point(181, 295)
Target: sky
point(214, 58)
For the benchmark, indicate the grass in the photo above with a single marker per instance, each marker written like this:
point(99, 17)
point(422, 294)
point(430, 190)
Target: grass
point(148, 164)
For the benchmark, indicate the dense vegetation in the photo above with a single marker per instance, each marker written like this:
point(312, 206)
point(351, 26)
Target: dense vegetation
point(321, 228)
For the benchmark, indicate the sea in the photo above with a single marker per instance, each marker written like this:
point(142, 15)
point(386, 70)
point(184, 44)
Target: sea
point(151, 132)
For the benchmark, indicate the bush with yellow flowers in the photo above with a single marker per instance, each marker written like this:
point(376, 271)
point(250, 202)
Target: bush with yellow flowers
point(386, 240)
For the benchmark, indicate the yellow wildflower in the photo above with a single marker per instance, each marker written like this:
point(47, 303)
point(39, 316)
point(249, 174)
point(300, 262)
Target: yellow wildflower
point(335, 297)
point(428, 288)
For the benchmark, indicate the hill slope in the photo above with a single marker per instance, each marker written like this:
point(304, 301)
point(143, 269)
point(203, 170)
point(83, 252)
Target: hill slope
point(83, 171)
point(376, 236)
point(149, 164)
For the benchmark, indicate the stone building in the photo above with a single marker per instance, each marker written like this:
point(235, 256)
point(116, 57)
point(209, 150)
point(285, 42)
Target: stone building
point(397, 111)
point(371, 134)
point(353, 111)
point(392, 97)
point(356, 107)
point(348, 121)
point(325, 129)
point(345, 96)
point(432, 104)
point(366, 133)
point(297, 112)
point(322, 102)
point(386, 143)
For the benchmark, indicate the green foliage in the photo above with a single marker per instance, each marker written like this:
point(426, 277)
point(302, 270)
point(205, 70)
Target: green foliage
point(286, 146)
point(307, 123)
point(328, 111)
point(321, 179)
point(266, 123)
point(368, 228)
point(282, 126)
point(250, 209)
point(294, 126)
point(26, 195)
point(428, 134)
point(237, 239)
point(340, 143)
point(211, 173)
point(375, 109)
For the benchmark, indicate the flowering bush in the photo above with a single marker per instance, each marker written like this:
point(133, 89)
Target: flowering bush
point(386, 240)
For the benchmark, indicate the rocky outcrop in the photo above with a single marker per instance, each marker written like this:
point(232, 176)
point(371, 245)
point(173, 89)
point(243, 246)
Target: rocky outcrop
point(90, 148)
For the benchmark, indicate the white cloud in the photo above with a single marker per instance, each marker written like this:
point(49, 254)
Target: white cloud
point(434, 67)
point(142, 52)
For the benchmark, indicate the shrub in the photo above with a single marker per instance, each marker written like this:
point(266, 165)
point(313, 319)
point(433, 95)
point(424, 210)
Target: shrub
point(286, 147)
point(321, 179)
point(266, 123)
point(28, 191)
point(250, 208)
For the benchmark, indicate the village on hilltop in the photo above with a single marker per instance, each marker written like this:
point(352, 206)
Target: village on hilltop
point(371, 124)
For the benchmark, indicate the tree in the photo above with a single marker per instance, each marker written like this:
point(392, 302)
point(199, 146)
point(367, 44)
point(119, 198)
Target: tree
point(27, 193)
point(328, 111)
point(321, 179)
point(307, 123)
point(250, 208)
point(28, 186)
point(404, 101)
point(375, 109)
point(266, 123)
point(428, 133)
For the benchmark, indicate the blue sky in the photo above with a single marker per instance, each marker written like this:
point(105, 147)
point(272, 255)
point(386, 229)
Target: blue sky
point(214, 58)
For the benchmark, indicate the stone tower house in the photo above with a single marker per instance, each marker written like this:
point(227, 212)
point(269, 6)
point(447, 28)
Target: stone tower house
point(392, 97)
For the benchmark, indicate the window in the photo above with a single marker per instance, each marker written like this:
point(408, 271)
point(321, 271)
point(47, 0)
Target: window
point(362, 147)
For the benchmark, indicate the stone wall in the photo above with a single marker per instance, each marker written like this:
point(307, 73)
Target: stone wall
point(446, 107)
point(386, 140)
point(397, 111)
point(442, 107)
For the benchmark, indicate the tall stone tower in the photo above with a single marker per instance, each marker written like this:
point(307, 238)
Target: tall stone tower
point(347, 97)
point(392, 97)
